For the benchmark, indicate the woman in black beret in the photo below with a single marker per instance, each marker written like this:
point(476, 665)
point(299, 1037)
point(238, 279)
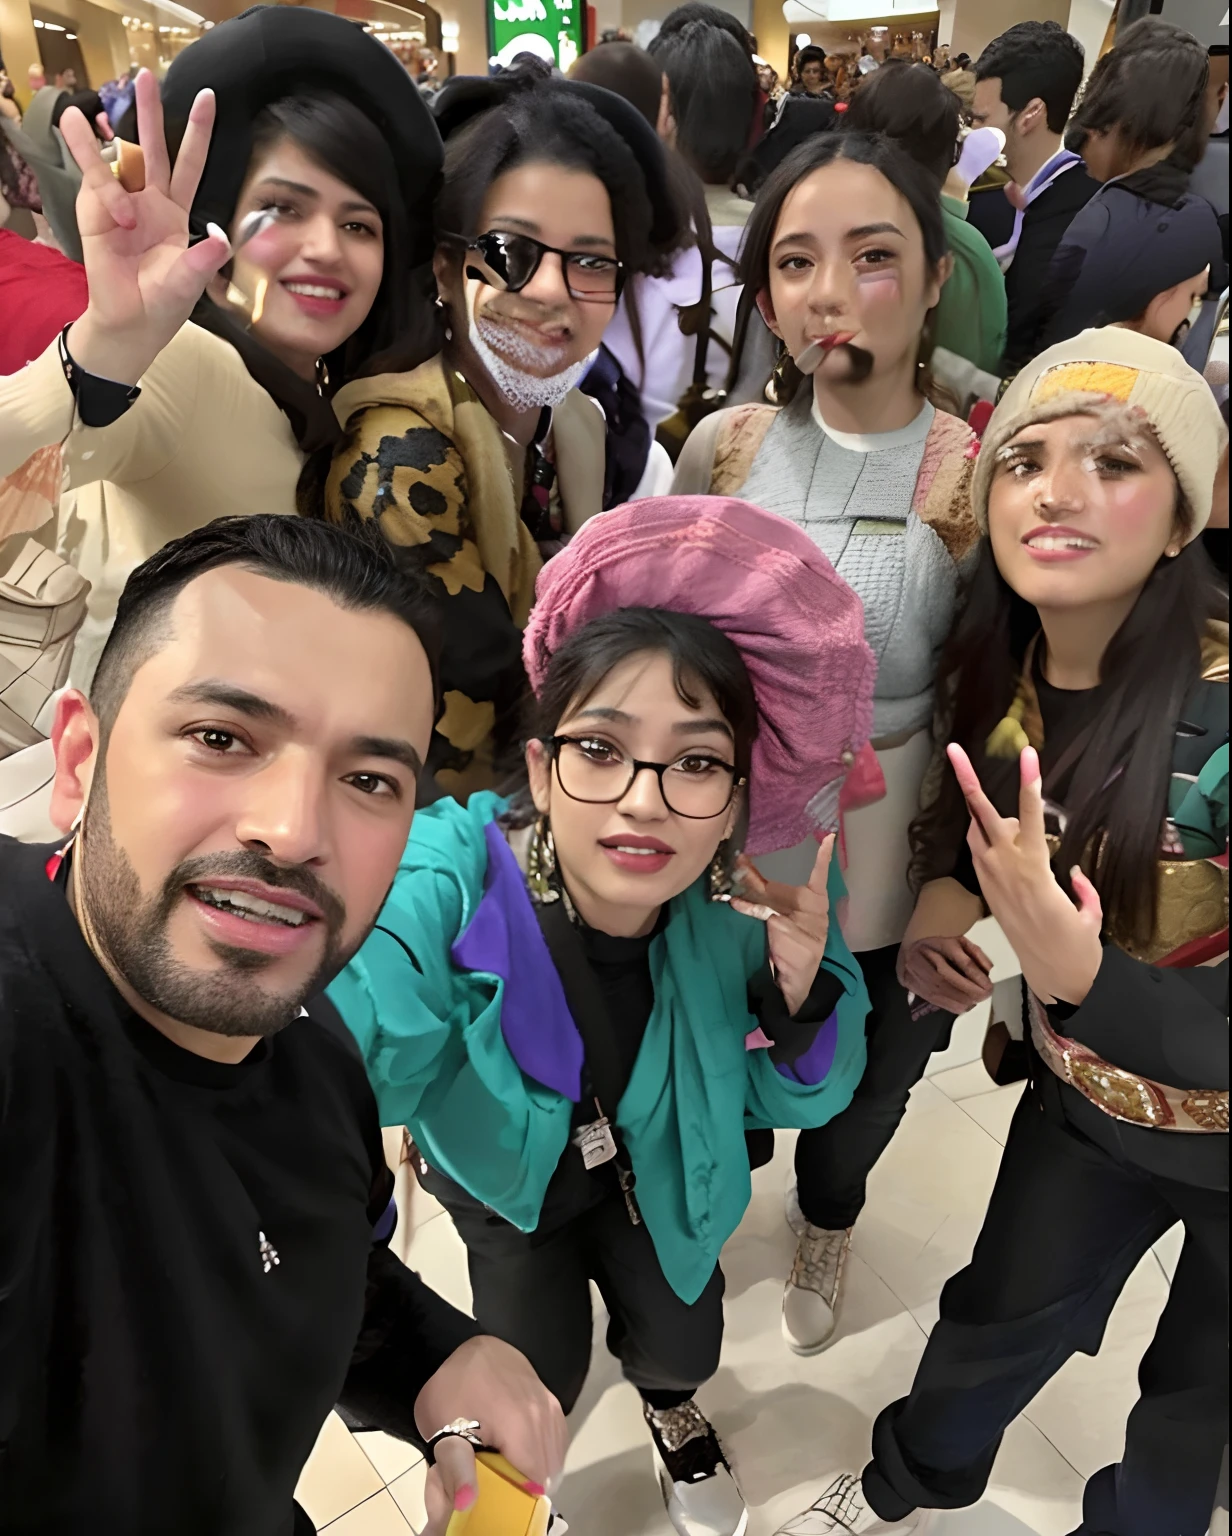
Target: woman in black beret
point(255, 254)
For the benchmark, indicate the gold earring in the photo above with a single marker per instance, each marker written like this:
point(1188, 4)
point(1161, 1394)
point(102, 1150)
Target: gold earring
point(719, 876)
point(541, 875)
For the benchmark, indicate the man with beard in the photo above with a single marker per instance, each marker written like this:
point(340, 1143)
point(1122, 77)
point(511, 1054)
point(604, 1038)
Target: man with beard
point(194, 1205)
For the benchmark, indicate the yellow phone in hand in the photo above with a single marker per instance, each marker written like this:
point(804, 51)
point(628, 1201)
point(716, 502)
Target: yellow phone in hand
point(503, 1508)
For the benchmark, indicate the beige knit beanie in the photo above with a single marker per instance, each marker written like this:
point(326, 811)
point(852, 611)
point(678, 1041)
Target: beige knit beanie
point(1115, 364)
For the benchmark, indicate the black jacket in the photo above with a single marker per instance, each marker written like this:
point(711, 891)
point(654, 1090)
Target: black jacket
point(1043, 224)
point(1135, 238)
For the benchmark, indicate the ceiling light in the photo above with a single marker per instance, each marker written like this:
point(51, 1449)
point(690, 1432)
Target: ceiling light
point(181, 11)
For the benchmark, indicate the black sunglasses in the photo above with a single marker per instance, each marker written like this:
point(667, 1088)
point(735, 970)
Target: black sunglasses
point(510, 261)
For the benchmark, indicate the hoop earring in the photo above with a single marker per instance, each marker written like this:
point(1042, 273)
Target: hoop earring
point(541, 871)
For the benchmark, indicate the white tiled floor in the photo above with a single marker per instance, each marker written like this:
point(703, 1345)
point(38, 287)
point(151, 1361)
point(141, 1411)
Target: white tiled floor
point(787, 1420)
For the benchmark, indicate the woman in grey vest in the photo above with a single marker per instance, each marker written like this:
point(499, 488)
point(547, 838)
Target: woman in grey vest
point(846, 253)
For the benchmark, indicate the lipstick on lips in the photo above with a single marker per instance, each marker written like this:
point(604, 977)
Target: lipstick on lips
point(314, 295)
point(637, 854)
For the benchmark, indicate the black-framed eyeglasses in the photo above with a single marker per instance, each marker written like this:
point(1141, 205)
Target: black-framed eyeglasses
point(510, 261)
point(696, 785)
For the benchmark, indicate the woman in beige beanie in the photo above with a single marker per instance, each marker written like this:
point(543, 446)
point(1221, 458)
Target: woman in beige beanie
point(1086, 692)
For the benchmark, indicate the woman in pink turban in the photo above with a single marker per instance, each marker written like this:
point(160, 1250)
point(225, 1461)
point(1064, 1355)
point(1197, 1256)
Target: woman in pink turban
point(579, 998)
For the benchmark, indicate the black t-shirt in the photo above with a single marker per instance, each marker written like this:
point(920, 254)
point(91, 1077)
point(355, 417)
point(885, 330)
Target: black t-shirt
point(187, 1253)
point(1064, 712)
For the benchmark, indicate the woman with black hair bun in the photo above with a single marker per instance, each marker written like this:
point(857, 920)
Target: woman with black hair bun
point(255, 255)
point(1085, 698)
point(478, 463)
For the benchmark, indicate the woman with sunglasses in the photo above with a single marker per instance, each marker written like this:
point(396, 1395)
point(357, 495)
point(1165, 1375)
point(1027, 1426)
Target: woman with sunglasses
point(563, 1000)
point(480, 462)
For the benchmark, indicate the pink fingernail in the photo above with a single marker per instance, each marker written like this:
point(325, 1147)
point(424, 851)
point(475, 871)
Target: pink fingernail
point(536, 1490)
point(464, 1497)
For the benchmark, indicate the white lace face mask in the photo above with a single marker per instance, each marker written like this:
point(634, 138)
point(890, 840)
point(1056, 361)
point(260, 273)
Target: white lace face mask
point(524, 391)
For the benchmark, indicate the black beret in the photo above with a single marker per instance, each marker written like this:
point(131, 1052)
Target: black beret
point(273, 51)
point(466, 96)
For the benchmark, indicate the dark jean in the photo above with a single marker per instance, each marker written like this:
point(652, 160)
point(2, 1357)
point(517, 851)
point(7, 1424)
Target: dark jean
point(1065, 1227)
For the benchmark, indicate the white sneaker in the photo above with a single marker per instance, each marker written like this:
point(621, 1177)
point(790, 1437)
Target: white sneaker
point(814, 1287)
point(841, 1510)
point(791, 1207)
point(698, 1488)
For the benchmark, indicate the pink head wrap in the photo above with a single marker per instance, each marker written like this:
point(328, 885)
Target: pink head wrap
point(765, 584)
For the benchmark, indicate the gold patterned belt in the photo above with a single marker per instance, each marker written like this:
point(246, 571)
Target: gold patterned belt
point(1125, 1095)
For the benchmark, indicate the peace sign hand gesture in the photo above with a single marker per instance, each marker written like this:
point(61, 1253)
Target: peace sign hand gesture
point(1057, 943)
point(797, 919)
point(143, 275)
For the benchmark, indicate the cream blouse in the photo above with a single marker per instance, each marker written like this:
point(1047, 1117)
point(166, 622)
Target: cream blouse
point(202, 440)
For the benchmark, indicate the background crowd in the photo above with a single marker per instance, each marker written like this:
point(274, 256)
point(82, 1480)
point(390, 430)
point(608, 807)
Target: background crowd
point(762, 527)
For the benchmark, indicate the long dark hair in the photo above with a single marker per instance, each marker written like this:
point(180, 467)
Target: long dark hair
point(399, 332)
point(703, 659)
point(1152, 87)
point(1121, 762)
point(714, 93)
point(872, 149)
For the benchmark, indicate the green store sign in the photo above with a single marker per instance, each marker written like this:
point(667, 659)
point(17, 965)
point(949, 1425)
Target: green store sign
point(550, 29)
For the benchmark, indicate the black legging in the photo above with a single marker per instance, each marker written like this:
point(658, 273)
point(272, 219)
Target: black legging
point(834, 1161)
point(1065, 1227)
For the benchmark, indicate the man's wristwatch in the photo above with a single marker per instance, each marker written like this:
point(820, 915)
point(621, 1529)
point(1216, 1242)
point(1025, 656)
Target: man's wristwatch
point(461, 1429)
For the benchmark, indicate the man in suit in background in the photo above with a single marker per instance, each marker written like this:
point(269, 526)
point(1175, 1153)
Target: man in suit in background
point(1026, 81)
